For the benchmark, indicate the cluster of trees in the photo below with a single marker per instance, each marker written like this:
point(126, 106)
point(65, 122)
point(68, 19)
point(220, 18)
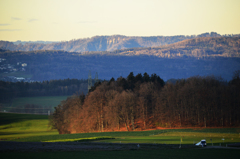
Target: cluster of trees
point(10, 90)
point(143, 102)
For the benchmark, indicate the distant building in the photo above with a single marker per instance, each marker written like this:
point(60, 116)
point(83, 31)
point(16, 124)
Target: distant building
point(1, 59)
point(24, 65)
point(20, 78)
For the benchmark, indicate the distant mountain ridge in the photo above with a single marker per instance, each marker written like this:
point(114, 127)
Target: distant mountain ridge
point(37, 42)
point(219, 56)
point(198, 48)
point(103, 43)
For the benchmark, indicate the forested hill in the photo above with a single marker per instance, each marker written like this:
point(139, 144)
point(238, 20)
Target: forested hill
point(103, 43)
point(219, 56)
point(48, 65)
point(199, 47)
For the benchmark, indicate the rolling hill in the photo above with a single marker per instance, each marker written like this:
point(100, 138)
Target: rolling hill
point(202, 56)
point(102, 43)
point(199, 48)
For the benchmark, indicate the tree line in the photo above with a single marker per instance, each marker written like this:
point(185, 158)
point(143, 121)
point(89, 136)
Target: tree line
point(10, 90)
point(146, 102)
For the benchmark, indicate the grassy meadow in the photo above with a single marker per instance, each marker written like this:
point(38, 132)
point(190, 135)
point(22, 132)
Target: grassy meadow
point(17, 126)
point(44, 101)
point(35, 128)
point(170, 136)
point(130, 154)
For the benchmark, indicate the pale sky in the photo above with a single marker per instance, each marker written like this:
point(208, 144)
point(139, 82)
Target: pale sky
point(63, 20)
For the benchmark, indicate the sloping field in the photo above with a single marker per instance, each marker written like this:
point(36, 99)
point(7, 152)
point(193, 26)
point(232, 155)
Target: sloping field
point(42, 102)
point(31, 129)
point(35, 128)
point(214, 136)
point(16, 126)
point(45, 101)
point(130, 154)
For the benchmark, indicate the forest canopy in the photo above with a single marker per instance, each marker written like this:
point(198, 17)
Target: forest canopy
point(146, 102)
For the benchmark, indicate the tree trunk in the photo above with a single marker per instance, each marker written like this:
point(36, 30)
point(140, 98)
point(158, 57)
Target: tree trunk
point(205, 121)
point(180, 120)
point(102, 126)
point(126, 125)
point(144, 121)
point(198, 115)
point(98, 123)
point(222, 117)
point(118, 124)
point(132, 120)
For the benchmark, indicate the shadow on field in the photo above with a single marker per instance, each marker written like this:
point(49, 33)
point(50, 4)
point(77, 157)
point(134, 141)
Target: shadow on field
point(8, 133)
point(8, 118)
point(8, 146)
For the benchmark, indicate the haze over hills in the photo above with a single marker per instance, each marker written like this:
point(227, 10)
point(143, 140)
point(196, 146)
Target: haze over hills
point(37, 42)
point(198, 47)
point(202, 56)
point(102, 43)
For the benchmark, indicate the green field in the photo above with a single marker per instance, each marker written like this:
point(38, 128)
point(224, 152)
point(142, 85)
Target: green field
point(170, 136)
point(44, 101)
point(35, 128)
point(17, 126)
point(130, 154)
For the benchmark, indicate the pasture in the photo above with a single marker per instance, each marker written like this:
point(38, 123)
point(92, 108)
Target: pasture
point(43, 102)
point(169, 136)
point(130, 154)
point(16, 126)
point(35, 128)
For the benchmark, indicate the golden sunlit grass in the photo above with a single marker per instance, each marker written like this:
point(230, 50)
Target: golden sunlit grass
point(22, 127)
point(177, 137)
point(199, 134)
point(81, 139)
point(14, 126)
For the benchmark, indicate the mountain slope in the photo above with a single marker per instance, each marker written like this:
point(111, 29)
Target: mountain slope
point(200, 56)
point(48, 65)
point(101, 43)
point(198, 47)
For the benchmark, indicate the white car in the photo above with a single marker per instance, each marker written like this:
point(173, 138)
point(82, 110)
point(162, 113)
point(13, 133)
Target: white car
point(202, 143)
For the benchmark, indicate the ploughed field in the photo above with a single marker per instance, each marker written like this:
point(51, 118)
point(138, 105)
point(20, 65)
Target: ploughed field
point(26, 135)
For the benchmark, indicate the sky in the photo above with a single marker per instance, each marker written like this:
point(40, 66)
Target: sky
point(64, 20)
